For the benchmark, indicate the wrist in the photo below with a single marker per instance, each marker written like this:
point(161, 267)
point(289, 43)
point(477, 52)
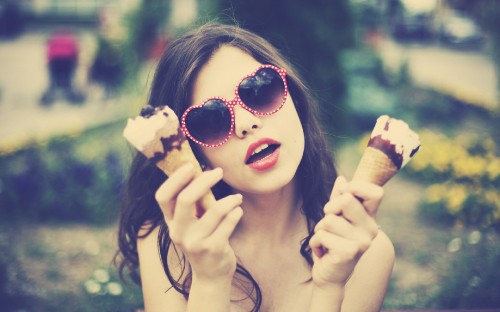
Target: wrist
point(327, 297)
point(330, 288)
point(220, 282)
point(209, 294)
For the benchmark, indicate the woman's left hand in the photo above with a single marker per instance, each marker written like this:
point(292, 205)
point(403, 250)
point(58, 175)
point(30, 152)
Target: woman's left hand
point(345, 232)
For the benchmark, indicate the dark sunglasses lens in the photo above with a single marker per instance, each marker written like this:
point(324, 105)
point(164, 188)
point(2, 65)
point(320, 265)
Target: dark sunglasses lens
point(210, 123)
point(262, 92)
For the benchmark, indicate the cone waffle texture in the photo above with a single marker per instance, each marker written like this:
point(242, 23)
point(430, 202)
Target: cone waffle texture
point(375, 167)
point(178, 157)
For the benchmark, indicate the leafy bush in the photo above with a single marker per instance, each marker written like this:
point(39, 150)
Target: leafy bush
point(67, 179)
point(466, 176)
point(472, 280)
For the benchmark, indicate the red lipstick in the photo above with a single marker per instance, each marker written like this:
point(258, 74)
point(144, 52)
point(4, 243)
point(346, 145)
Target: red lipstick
point(263, 154)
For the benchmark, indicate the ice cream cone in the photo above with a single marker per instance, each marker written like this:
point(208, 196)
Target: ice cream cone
point(174, 159)
point(158, 136)
point(375, 167)
point(392, 144)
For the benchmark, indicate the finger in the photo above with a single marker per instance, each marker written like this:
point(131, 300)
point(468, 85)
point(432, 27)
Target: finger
point(193, 192)
point(339, 226)
point(337, 186)
point(370, 194)
point(214, 216)
point(226, 228)
point(168, 191)
point(331, 207)
point(334, 224)
point(352, 210)
point(340, 248)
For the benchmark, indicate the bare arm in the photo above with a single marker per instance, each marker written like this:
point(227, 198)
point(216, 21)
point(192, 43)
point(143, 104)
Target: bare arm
point(158, 293)
point(365, 290)
point(367, 286)
point(353, 260)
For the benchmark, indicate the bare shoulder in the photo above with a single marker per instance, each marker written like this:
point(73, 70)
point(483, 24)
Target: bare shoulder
point(366, 289)
point(156, 288)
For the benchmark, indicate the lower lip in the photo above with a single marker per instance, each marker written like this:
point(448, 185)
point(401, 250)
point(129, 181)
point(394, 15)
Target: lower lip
point(267, 162)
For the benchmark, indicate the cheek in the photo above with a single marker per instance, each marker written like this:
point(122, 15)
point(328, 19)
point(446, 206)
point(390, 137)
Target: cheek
point(291, 122)
point(217, 157)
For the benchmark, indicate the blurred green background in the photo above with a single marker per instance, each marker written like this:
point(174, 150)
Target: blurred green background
point(63, 162)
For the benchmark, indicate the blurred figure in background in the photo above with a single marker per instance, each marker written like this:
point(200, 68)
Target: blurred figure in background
point(108, 68)
point(62, 59)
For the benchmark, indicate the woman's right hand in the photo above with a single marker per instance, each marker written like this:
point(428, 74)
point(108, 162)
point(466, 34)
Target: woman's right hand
point(204, 241)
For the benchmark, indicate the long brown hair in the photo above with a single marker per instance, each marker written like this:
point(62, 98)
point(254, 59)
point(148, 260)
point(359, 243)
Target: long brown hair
point(172, 85)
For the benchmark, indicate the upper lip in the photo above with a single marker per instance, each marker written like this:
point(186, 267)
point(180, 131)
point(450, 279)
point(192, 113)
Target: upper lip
point(251, 149)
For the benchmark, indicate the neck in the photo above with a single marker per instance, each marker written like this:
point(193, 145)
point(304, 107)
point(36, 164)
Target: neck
point(274, 217)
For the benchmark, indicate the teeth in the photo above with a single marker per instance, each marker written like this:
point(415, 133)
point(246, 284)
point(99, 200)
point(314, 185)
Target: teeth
point(260, 149)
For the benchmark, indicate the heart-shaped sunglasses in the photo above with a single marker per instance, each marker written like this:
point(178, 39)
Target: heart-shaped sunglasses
point(262, 92)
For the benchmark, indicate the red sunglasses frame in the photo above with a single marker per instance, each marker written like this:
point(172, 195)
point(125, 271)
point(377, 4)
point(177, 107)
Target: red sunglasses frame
point(230, 104)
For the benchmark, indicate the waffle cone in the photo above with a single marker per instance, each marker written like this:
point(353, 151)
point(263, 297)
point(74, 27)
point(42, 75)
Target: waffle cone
point(375, 167)
point(177, 157)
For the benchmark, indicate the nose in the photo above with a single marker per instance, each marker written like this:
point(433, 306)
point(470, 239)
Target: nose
point(245, 122)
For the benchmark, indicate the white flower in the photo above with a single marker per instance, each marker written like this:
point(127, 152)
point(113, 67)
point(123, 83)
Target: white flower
point(455, 244)
point(101, 275)
point(474, 282)
point(114, 288)
point(474, 237)
point(92, 287)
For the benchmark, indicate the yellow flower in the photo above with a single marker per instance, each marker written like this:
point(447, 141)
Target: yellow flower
point(472, 166)
point(435, 193)
point(440, 161)
point(493, 169)
point(455, 198)
point(492, 197)
point(489, 146)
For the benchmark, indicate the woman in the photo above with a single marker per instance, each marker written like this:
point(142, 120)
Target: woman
point(279, 238)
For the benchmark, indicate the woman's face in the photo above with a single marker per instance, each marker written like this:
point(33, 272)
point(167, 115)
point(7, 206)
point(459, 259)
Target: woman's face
point(275, 166)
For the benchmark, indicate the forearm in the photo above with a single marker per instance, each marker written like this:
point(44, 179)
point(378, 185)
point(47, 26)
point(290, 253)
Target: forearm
point(327, 299)
point(209, 296)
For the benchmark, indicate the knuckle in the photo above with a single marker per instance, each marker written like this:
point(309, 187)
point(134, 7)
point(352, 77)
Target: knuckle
point(319, 226)
point(329, 206)
point(364, 243)
point(192, 246)
point(183, 199)
point(346, 200)
point(218, 211)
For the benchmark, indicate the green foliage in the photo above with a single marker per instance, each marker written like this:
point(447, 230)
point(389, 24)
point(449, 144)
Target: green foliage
point(473, 279)
point(67, 179)
point(145, 24)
